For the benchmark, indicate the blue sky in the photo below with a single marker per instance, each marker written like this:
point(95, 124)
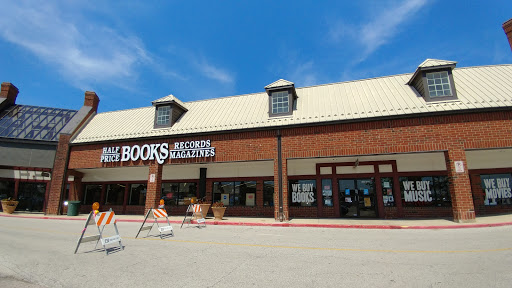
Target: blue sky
point(133, 52)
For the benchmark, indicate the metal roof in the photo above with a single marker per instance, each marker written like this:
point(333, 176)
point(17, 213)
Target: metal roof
point(477, 88)
point(170, 99)
point(33, 123)
point(279, 83)
point(435, 62)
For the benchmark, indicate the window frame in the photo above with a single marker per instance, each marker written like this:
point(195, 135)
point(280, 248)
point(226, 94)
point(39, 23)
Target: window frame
point(114, 196)
point(291, 102)
point(267, 201)
point(437, 189)
point(95, 194)
point(236, 192)
point(178, 197)
point(157, 109)
point(140, 191)
point(427, 96)
point(302, 182)
point(497, 202)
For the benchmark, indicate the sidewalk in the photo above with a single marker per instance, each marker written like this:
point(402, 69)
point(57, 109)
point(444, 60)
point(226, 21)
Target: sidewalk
point(482, 221)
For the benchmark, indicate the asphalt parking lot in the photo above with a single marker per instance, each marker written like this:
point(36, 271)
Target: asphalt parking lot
point(40, 253)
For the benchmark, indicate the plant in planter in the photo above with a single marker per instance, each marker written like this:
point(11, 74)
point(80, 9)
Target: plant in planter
point(218, 210)
point(9, 205)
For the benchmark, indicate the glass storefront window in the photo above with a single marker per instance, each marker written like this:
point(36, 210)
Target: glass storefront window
point(92, 193)
point(419, 191)
point(114, 194)
point(268, 193)
point(241, 193)
point(137, 194)
point(327, 192)
point(31, 196)
point(175, 194)
point(497, 189)
point(387, 191)
point(302, 192)
point(6, 189)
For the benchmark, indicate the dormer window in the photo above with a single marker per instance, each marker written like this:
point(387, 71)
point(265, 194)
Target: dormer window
point(163, 115)
point(434, 80)
point(439, 84)
point(282, 98)
point(280, 102)
point(168, 110)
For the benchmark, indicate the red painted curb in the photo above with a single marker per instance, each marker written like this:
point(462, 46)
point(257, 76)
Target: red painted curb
point(286, 224)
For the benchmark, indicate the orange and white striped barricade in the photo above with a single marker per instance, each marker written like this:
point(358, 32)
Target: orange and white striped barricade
point(194, 210)
point(101, 219)
point(157, 213)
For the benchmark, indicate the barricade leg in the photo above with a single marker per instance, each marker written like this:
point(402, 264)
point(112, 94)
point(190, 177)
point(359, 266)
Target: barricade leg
point(117, 232)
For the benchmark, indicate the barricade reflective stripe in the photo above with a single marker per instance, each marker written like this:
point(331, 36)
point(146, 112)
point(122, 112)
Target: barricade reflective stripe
point(194, 210)
point(159, 213)
point(100, 218)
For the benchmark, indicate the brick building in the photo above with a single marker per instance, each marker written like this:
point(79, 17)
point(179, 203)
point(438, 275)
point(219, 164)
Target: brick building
point(433, 143)
point(29, 137)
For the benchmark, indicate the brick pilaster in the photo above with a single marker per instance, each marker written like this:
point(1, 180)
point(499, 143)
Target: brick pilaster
point(460, 186)
point(58, 174)
point(285, 190)
point(154, 191)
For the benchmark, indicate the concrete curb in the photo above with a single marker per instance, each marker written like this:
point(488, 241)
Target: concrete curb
point(287, 224)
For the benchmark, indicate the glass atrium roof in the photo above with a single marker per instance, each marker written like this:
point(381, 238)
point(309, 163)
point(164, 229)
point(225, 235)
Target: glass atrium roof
point(34, 123)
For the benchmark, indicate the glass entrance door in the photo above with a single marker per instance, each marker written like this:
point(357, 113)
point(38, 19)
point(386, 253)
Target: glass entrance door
point(357, 198)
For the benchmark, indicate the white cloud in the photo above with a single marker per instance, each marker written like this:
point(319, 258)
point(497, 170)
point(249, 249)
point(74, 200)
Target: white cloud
point(304, 74)
point(82, 51)
point(215, 73)
point(380, 30)
point(385, 26)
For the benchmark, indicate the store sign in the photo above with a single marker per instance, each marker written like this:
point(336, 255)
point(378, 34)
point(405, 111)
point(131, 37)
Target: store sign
point(303, 193)
point(417, 191)
point(496, 188)
point(159, 152)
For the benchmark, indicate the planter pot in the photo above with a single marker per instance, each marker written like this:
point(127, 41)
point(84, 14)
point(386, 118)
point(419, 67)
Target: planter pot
point(204, 209)
point(218, 212)
point(9, 206)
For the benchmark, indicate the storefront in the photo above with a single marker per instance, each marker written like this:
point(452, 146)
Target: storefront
point(427, 144)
